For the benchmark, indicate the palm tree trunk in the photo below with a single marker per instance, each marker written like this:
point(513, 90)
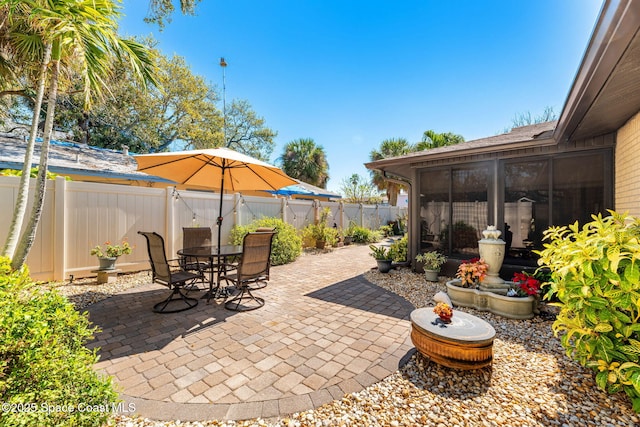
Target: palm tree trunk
point(392, 194)
point(20, 209)
point(29, 234)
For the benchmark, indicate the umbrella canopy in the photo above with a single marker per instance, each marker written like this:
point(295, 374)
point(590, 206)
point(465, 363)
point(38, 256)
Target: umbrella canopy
point(219, 169)
point(215, 168)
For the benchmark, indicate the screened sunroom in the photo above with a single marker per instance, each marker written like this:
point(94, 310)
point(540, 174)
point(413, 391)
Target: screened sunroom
point(522, 182)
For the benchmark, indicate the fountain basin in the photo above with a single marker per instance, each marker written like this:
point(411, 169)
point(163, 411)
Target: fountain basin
point(484, 300)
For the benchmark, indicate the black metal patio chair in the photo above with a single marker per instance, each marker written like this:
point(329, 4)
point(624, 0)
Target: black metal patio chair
point(193, 237)
point(253, 268)
point(169, 273)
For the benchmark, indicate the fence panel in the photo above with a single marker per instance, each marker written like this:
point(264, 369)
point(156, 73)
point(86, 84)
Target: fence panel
point(299, 213)
point(255, 207)
point(40, 257)
point(99, 213)
point(352, 213)
point(80, 215)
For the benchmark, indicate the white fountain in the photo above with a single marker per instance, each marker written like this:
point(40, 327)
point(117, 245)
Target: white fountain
point(491, 249)
point(491, 294)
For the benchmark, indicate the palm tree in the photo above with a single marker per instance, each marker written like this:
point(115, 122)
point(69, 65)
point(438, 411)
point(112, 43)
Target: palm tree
point(21, 50)
point(389, 148)
point(303, 159)
point(82, 37)
point(433, 139)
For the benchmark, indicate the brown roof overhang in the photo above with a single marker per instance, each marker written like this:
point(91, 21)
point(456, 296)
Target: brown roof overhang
point(532, 136)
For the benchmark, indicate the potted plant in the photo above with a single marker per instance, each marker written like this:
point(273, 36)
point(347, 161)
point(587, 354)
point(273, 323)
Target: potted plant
point(524, 285)
point(444, 312)
point(108, 255)
point(349, 232)
point(465, 291)
point(321, 233)
point(382, 257)
point(432, 261)
point(472, 272)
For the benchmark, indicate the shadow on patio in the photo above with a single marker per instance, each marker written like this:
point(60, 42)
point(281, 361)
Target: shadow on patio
point(357, 292)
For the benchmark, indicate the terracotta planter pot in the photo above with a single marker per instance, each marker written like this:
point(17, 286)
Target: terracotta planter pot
point(511, 307)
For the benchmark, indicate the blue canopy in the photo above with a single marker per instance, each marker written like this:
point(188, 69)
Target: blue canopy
point(303, 189)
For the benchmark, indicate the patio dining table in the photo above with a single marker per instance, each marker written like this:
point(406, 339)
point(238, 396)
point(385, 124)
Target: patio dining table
point(217, 258)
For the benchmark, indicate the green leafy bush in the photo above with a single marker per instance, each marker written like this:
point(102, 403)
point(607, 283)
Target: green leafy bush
point(398, 249)
point(386, 230)
point(46, 374)
point(362, 235)
point(380, 252)
point(312, 233)
point(595, 275)
point(431, 260)
point(307, 236)
point(287, 245)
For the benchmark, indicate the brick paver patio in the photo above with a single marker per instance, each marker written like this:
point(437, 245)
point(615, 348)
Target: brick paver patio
point(323, 332)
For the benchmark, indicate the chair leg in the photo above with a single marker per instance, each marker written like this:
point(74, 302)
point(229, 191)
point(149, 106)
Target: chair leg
point(259, 283)
point(245, 295)
point(176, 295)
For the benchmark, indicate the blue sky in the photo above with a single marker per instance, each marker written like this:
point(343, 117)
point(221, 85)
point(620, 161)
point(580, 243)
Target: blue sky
point(350, 74)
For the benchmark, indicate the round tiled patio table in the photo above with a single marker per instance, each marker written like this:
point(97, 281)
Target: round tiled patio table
point(465, 343)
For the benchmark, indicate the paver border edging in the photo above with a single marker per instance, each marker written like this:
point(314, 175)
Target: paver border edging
point(161, 410)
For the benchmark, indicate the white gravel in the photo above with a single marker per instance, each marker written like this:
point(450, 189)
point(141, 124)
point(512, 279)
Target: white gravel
point(531, 382)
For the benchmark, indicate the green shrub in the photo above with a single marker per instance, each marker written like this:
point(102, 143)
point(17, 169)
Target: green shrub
point(398, 249)
point(595, 275)
point(362, 234)
point(386, 230)
point(319, 232)
point(46, 374)
point(287, 245)
point(307, 236)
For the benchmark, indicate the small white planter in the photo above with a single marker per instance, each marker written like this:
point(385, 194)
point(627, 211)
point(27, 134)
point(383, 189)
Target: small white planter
point(511, 307)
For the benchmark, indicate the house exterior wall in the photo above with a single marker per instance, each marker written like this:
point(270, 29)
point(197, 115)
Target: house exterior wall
point(627, 173)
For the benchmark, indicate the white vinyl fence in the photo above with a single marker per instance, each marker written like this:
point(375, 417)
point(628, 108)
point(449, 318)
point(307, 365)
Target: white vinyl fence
point(80, 215)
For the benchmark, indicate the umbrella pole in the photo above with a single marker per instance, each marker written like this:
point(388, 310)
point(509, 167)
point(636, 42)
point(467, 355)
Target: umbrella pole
point(219, 222)
point(220, 217)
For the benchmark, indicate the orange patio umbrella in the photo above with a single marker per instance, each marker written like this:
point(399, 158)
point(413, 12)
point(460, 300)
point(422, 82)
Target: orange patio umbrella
point(220, 169)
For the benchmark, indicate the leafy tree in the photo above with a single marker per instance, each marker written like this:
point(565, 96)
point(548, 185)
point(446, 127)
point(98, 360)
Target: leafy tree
point(356, 189)
point(432, 139)
point(303, 159)
point(160, 10)
point(63, 37)
point(180, 108)
point(389, 148)
point(525, 119)
point(246, 131)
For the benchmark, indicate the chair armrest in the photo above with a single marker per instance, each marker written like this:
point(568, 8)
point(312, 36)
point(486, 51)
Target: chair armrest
point(175, 264)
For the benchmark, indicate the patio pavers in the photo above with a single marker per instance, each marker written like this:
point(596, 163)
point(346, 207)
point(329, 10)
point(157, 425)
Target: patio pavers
point(323, 332)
